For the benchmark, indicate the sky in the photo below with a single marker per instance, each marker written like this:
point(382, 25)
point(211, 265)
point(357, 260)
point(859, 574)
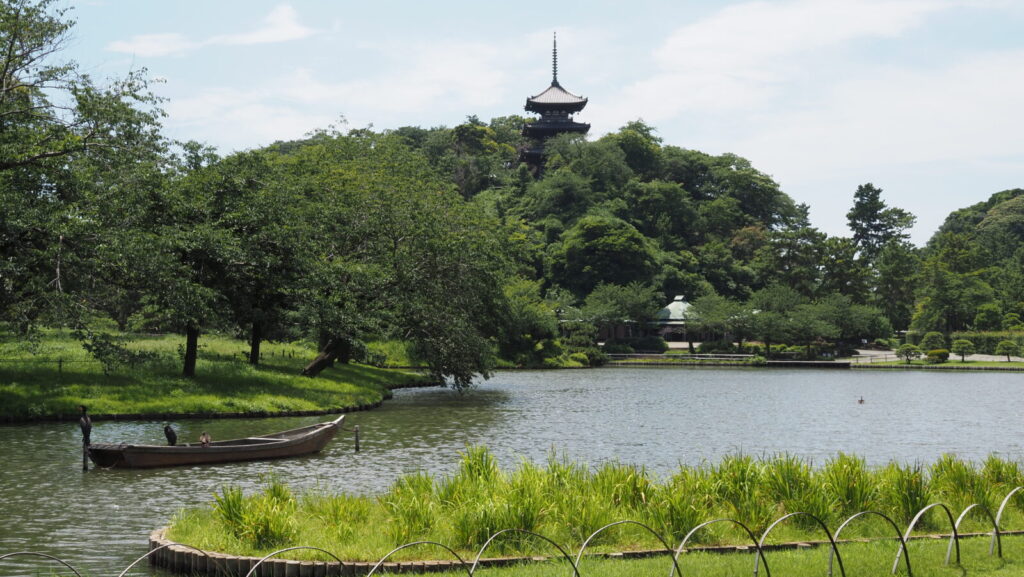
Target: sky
point(922, 98)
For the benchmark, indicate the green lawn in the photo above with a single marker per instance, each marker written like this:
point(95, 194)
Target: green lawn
point(51, 375)
point(859, 560)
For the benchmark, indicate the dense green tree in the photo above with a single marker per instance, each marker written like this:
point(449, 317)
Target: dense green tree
point(531, 325)
point(600, 249)
point(562, 195)
point(609, 306)
point(641, 148)
point(808, 323)
point(855, 322)
point(948, 301)
point(713, 317)
point(660, 210)
point(842, 271)
point(771, 309)
point(437, 265)
point(727, 275)
point(896, 267)
point(792, 255)
point(989, 317)
point(63, 139)
point(257, 205)
point(1012, 322)
point(873, 223)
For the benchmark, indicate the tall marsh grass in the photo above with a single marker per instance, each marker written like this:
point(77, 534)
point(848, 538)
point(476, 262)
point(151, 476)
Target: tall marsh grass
point(567, 501)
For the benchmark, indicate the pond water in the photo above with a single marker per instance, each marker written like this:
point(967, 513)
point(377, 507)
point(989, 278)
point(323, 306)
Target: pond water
point(99, 521)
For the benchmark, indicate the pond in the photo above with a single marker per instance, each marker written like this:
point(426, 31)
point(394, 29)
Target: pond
point(99, 520)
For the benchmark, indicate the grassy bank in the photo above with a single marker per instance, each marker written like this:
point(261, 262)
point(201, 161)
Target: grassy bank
point(567, 501)
point(52, 374)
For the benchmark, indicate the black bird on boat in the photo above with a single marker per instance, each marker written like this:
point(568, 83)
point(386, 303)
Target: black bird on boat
point(172, 437)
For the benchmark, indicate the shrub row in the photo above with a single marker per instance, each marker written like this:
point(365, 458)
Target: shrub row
point(986, 342)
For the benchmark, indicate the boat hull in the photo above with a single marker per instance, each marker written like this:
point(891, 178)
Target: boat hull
point(293, 443)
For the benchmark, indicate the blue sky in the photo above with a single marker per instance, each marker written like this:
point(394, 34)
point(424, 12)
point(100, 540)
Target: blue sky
point(923, 98)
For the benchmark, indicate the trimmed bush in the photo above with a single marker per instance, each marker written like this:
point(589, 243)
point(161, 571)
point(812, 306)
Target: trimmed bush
point(962, 347)
point(932, 341)
point(937, 356)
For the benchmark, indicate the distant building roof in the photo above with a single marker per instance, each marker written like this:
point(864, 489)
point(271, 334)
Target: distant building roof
point(674, 313)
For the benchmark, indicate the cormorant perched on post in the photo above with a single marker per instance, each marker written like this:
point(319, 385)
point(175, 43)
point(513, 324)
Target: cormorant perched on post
point(172, 437)
point(85, 423)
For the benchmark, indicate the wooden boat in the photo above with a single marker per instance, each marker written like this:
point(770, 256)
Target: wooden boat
point(301, 441)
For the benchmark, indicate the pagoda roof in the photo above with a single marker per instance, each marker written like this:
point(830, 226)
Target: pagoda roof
point(555, 94)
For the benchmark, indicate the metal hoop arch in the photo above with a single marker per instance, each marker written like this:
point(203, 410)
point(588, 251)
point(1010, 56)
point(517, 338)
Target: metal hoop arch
point(476, 561)
point(955, 537)
point(668, 548)
point(43, 555)
point(996, 537)
point(279, 551)
point(1006, 500)
point(407, 545)
point(760, 544)
point(164, 546)
point(753, 539)
point(903, 542)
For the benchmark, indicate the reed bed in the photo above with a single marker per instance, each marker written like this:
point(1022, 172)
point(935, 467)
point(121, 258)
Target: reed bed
point(566, 501)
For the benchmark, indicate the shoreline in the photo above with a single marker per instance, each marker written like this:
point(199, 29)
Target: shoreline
point(165, 416)
point(184, 559)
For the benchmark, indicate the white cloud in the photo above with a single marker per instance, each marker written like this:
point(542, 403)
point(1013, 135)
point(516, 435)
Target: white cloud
point(740, 39)
point(746, 55)
point(460, 77)
point(280, 25)
point(146, 45)
point(968, 111)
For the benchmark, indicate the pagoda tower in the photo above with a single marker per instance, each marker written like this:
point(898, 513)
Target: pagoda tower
point(555, 106)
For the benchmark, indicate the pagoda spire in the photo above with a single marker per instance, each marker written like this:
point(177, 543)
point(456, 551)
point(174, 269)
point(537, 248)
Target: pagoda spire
point(554, 61)
point(555, 105)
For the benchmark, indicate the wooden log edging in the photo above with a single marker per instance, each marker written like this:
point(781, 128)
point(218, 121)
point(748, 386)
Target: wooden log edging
point(185, 560)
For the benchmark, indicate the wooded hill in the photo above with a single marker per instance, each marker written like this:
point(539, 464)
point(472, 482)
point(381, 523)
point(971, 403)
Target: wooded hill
point(439, 238)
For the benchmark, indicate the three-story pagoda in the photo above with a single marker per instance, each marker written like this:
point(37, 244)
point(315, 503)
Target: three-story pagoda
point(555, 106)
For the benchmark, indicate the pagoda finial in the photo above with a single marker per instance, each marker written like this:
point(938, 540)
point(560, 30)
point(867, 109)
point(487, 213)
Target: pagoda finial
point(554, 61)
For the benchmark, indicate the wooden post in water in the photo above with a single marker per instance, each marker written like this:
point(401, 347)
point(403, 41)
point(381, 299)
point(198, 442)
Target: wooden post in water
point(85, 457)
point(356, 429)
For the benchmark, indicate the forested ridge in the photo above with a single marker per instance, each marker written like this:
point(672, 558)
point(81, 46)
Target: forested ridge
point(438, 238)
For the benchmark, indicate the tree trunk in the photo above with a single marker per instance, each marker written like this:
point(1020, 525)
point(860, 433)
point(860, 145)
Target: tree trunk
point(324, 339)
point(191, 352)
point(254, 342)
point(336, 348)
